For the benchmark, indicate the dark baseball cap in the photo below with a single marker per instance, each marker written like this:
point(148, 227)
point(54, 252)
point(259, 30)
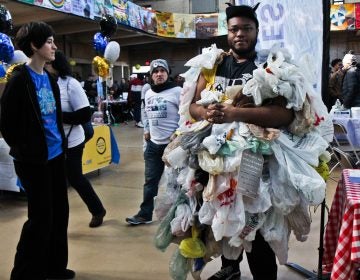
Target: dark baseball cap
point(242, 11)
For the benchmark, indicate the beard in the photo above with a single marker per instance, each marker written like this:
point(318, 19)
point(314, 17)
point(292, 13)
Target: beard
point(244, 52)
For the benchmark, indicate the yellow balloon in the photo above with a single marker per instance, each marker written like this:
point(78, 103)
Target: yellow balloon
point(100, 66)
point(137, 66)
point(72, 62)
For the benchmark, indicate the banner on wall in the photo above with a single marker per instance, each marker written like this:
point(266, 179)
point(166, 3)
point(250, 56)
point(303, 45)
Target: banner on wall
point(58, 5)
point(102, 8)
point(83, 8)
point(27, 1)
point(135, 16)
point(165, 24)
point(184, 25)
point(121, 12)
point(342, 17)
point(206, 26)
point(148, 19)
point(357, 16)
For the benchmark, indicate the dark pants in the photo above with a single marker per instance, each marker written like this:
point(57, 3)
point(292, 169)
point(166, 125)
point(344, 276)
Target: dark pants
point(136, 99)
point(43, 247)
point(79, 182)
point(261, 260)
point(154, 167)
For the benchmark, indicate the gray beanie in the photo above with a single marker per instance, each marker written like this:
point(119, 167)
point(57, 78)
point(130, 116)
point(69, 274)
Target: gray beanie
point(158, 63)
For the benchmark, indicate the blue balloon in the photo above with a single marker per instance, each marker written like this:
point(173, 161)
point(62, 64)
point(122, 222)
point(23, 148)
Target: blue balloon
point(6, 48)
point(2, 71)
point(100, 42)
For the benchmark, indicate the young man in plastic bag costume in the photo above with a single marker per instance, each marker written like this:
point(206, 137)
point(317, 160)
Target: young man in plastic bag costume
point(242, 170)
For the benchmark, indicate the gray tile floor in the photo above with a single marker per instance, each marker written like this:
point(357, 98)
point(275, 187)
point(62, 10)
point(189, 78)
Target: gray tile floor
point(118, 251)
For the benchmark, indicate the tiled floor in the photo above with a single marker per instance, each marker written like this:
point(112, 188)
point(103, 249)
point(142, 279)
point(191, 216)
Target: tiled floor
point(116, 251)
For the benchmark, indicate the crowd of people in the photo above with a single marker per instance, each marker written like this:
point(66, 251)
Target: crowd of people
point(344, 81)
point(48, 108)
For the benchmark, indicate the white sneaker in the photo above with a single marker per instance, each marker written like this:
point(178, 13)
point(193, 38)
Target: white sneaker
point(139, 124)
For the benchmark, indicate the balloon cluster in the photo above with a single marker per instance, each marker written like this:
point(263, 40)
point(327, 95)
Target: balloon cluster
point(6, 46)
point(107, 51)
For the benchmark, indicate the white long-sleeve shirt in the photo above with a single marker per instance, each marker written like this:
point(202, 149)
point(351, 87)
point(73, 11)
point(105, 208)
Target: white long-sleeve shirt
point(161, 114)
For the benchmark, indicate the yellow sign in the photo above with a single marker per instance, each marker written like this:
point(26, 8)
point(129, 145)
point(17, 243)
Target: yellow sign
point(97, 151)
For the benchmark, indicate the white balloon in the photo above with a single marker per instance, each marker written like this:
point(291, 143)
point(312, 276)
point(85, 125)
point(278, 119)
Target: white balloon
point(19, 57)
point(112, 51)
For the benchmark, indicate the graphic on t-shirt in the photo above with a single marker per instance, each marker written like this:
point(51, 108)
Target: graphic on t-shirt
point(156, 108)
point(221, 83)
point(46, 101)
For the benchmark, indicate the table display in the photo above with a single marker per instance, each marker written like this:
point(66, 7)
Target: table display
point(342, 235)
point(101, 150)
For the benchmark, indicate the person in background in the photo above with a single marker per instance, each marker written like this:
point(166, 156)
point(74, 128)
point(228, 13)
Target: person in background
point(90, 88)
point(161, 120)
point(179, 80)
point(351, 81)
point(76, 111)
point(135, 87)
point(335, 81)
point(31, 124)
point(236, 69)
point(145, 88)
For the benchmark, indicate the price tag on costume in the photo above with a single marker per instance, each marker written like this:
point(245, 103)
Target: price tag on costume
point(250, 172)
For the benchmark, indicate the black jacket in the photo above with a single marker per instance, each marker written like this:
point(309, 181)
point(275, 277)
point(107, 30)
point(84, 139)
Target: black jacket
point(351, 87)
point(21, 123)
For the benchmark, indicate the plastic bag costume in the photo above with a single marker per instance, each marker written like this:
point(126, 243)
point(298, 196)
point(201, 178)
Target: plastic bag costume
point(259, 178)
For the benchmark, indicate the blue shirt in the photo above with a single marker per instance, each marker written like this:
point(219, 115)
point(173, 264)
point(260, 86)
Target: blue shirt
point(47, 105)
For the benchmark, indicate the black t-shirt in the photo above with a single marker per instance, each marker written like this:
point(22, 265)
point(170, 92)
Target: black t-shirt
point(232, 73)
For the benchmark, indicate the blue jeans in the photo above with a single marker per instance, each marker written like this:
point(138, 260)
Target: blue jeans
point(154, 167)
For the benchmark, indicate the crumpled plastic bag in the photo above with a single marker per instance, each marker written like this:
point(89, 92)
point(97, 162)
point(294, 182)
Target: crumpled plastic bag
point(163, 235)
point(229, 219)
point(206, 213)
point(206, 59)
point(179, 266)
point(230, 252)
point(182, 220)
point(209, 97)
point(262, 202)
point(168, 192)
point(192, 247)
point(299, 221)
point(193, 140)
point(177, 158)
point(301, 175)
point(276, 232)
point(210, 163)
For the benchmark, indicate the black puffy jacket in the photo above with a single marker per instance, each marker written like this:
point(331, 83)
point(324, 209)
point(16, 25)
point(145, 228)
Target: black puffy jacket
point(351, 87)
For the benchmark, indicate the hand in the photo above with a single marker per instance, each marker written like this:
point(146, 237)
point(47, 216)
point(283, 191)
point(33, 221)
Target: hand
point(228, 112)
point(147, 136)
point(213, 114)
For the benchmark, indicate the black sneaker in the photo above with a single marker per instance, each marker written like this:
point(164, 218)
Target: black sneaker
point(67, 274)
point(97, 220)
point(226, 273)
point(137, 220)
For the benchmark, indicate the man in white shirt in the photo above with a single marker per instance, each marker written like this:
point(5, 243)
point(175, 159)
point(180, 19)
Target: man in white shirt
point(160, 122)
